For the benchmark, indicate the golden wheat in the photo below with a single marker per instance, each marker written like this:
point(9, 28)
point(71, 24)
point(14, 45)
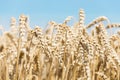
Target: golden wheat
point(61, 51)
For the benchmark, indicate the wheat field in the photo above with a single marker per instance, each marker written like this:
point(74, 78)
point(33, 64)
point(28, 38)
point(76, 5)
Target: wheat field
point(61, 51)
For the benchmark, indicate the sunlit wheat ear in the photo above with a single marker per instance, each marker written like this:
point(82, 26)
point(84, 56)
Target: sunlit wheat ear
point(52, 23)
point(110, 51)
point(38, 33)
point(97, 20)
point(81, 17)
point(49, 31)
point(87, 55)
point(13, 24)
point(22, 30)
point(67, 19)
point(114, 37)
point(112, 26)
point(104, 43)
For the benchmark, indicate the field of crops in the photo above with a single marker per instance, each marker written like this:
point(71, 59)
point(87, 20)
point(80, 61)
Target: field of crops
point(61, 51)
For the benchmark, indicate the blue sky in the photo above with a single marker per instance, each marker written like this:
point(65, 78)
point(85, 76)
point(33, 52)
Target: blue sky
point(43, 11)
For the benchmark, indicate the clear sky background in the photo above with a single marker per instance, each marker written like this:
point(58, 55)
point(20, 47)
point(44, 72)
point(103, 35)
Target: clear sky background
point(43, 11)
